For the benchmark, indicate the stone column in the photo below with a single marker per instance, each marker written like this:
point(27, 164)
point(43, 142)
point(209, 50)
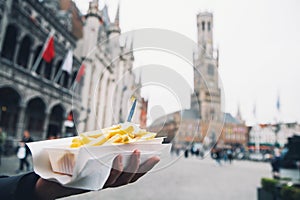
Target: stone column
point(43, 66)
point(119, 91)
point(21, 120)
point(63, 127)
point(61, 78)
point(110, 103)
point(70, 81)
point(4, 23)
point(16, 52)
point(46, 123)
point(31, 59)
point(102, 101)
point(53, 69)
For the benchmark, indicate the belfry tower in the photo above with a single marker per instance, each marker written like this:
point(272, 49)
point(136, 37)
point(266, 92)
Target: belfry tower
point(207, 95)
point(206, 84)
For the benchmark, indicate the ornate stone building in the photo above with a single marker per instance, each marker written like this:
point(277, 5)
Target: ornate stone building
point(109, 81)
point(42, 101)
point(31, 99)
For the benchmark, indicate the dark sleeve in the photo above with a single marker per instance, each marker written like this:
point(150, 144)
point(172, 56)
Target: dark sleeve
point(18, 187)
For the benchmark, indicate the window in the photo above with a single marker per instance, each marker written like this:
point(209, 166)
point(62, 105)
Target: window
point(208, 26)
point(210, 70)
point(10, 41)
point(203, 25)
point(212, 114)
point(24, 51)
point(66, 79)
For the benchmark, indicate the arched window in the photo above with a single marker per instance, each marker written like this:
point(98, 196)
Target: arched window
point(10, 41)
point(9, 110)
point(35, 115)
point(66, 79)
point(24, 52)
point(203, 25)
point(47, 72)
point(74, 76)
point(56, 121)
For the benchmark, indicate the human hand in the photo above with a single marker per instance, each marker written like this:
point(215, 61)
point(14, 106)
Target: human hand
point(119, 176)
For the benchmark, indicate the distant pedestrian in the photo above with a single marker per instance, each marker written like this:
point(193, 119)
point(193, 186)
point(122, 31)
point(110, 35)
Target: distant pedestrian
point(275, 163)
point(225, 156)
point(197, 152)
point(218, 156)
point(186, 153)
point(2, 142)
point(24, 152)
point(230, 155)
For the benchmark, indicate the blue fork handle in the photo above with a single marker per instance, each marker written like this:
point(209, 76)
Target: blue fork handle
point(131, 111)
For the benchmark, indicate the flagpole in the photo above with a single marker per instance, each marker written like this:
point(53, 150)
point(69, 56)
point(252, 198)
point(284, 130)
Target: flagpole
point(73, 86)
point(79, 73)
point(58, 75)
point(37, 62)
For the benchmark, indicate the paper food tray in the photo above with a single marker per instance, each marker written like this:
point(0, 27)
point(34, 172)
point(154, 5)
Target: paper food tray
point(63, 158)
point(87, 167)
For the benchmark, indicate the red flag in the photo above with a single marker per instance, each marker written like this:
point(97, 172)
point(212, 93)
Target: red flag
point(80, 73)
point(49, 51)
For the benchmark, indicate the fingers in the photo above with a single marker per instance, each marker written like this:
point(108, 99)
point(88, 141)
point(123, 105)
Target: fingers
point(129, 171)
point(145, 167)
point(115, 172)
point(132, 172)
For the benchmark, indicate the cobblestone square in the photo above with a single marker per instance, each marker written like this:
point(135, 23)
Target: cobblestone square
point(191, 179)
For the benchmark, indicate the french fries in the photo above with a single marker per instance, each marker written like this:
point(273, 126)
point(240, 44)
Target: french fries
point(118, 134)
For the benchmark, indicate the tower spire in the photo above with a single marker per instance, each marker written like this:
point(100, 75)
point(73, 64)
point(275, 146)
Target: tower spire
point(117, 18)
point(238, 113)
point(115, 26)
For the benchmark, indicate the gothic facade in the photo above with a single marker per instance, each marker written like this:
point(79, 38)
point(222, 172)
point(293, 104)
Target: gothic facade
point(109, 81)
point(30, 98)
point(36, 97)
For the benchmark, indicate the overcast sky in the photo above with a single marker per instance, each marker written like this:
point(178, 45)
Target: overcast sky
point(259, 44)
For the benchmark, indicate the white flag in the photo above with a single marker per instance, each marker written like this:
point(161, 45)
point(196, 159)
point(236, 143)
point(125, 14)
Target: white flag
point(68, 63)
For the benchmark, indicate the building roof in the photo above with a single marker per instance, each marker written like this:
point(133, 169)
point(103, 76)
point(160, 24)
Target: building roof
point(163, 120)
point(190, 114)
point(229, 119)
point(186, 114)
